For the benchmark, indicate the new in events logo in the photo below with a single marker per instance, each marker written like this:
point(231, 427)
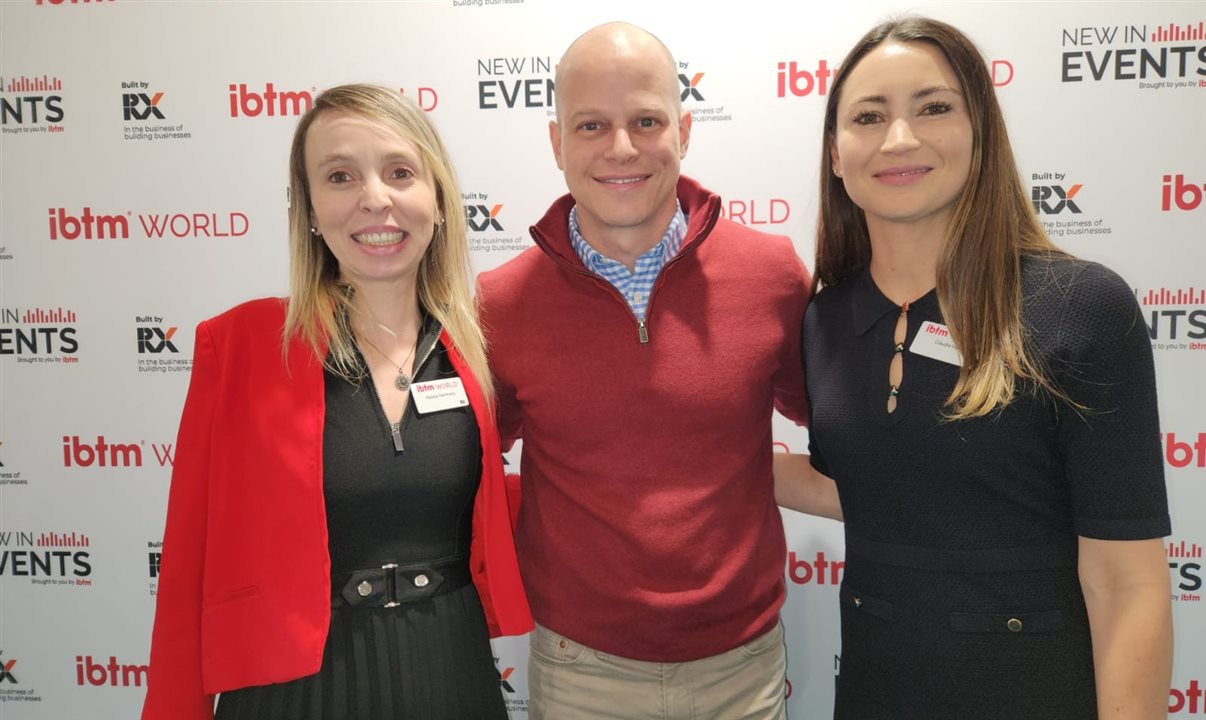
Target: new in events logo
point(515, 82)
point(1175, 317)
point(39, 335)
point(31, 104)
point(46, 558)
point(1160, 57)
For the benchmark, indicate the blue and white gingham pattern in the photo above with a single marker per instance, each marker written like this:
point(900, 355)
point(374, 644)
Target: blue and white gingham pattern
point(634, 286)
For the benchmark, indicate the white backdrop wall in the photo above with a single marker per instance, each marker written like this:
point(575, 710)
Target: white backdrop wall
point(143, 189)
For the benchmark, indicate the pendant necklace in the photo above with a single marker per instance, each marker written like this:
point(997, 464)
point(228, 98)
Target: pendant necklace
point(402, 381)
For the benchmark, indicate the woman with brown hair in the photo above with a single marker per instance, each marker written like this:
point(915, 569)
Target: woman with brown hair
point(338, 539)
point(986, 405)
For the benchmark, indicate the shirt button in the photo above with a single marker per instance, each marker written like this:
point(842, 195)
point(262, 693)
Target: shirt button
point(421, 581)
point(858, 601)
point(1014, 625)
point(364, 589)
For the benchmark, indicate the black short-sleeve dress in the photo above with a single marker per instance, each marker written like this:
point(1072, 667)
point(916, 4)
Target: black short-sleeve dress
point(428, 657)
point(960, 597)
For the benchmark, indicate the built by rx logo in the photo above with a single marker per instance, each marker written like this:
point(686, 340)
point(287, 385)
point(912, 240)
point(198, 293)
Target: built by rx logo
point(140, 106)
point(503, 674)
point(6, 670)
point(480, 217)
point(1054, 199)
point(691, 86)
point(155, 340)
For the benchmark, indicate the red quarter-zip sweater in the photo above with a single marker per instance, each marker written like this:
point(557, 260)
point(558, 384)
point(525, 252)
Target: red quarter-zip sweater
point(648, 527)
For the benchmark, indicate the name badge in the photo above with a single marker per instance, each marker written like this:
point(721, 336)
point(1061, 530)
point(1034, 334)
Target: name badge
point(438, 395)
point(934, 341)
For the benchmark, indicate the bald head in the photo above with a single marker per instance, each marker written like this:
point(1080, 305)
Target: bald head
point(614, 45)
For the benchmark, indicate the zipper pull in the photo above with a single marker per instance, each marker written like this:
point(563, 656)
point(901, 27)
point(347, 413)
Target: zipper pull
point(395, 429)
point(643, 331)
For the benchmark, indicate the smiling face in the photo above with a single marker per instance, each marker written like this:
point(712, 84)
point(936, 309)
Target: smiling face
point(903, 137)
point(372, 199)
point(620, 135)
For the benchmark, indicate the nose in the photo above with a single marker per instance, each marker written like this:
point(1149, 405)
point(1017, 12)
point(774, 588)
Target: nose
point(621, 146)
point(900, 137)
point(374, 195)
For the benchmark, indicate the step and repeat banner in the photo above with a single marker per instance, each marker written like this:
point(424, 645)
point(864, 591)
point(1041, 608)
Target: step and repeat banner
point(143, 189)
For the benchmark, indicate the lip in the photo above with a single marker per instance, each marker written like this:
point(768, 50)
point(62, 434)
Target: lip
point(379, 236)
point(623, 183)
point(902, 174)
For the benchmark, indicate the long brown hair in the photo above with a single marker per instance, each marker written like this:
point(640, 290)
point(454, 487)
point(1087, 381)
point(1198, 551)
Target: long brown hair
point(993, 225)
point(320, 303)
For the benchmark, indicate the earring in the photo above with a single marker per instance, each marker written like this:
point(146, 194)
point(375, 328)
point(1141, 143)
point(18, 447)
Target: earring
point(837, 172)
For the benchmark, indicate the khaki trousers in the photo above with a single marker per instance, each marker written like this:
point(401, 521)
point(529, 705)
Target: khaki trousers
point(568, 681)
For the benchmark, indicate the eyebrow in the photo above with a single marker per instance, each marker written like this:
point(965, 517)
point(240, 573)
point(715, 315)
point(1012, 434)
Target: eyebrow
point(649, 111)
point(924, 92)
point(336, 158)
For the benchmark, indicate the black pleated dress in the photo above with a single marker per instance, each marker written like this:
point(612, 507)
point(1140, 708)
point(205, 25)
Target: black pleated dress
point(427, 659)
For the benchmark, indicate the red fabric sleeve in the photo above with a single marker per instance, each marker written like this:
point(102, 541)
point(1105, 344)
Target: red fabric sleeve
point(174, 680)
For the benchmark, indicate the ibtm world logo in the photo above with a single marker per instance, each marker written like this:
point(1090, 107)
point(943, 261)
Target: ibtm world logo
point(800, 79)
point(97, 673)
point(1190, 701)
point(817, 570)
point(80, 453)
point(1177, 194)
point(249, 102)
point(65, 224)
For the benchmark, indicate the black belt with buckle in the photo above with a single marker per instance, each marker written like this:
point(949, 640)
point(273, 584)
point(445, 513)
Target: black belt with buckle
point(391, 585)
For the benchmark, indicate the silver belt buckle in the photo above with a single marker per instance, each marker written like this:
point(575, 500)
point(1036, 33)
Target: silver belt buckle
point(389, 582)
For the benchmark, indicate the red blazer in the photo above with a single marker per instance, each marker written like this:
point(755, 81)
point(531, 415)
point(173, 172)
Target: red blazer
point(244, 593)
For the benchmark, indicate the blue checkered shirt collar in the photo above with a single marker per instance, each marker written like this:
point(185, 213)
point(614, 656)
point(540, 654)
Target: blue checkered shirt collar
point(634, 286)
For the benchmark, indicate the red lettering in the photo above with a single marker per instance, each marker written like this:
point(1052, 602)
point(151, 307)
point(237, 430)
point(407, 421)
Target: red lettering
point(803, 572)
point(1182, 454)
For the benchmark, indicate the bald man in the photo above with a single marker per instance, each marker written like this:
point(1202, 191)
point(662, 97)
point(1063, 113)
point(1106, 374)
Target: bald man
point(639, 351)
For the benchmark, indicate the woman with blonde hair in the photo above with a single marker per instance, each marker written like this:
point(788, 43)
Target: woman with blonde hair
point(986, 406)
point(338, 542)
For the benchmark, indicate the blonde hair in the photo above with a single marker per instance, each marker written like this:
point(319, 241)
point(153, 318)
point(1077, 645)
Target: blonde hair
point(320, 302)
point(979, 284)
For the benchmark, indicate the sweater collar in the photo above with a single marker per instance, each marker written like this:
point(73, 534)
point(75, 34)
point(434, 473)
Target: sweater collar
point(551, 234)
